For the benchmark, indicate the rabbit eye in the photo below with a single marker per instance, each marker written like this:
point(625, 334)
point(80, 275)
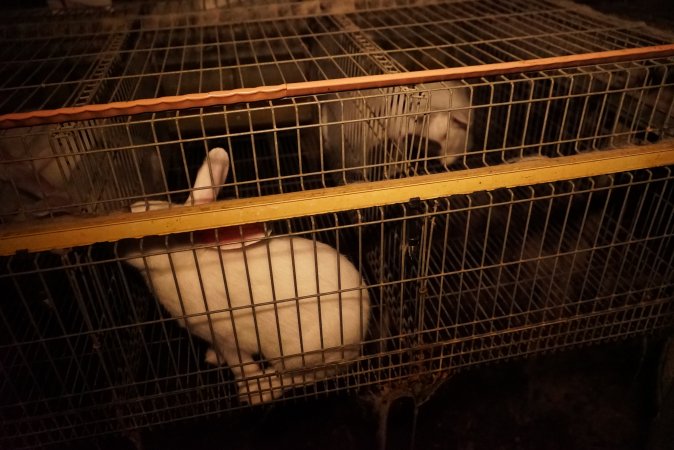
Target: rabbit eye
point(456, 121)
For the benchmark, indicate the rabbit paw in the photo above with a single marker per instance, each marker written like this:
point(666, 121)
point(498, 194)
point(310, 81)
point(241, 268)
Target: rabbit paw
point(260, 390)
point(212, 358)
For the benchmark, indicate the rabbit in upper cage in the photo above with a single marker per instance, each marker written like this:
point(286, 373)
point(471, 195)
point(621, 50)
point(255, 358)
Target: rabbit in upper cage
point(351, 140)
point(37, 181)
point(43, 168)
point(297, 302)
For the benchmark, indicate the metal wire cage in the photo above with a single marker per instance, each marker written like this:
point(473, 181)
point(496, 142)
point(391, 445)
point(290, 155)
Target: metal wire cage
point(417, 228)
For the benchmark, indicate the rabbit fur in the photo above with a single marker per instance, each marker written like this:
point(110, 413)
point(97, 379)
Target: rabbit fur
point(352, 144)
point(298, 302)
point(42, 171)
point(33, 178)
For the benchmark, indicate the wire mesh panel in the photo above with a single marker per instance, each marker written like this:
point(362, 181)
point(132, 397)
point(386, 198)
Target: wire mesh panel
point(71, 341)
point(546, 267)
point(51, 61)
point(124, 334)
point(50, 170)
point(362, 137)
point(87, 350)
point(512, 272)
point(453, 283)
point(145, 51)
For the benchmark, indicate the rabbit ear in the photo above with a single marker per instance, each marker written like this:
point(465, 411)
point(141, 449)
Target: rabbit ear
point(217, 163)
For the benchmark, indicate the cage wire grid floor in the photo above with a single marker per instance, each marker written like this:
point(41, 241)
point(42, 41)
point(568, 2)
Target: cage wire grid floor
point(152, 375)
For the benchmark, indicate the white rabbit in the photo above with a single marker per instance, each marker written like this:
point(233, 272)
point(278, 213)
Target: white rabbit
point(34, 177)
point(35, 143)
point(450, 121)
point(350, 139)
point(45, 170)
point(298, 302)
